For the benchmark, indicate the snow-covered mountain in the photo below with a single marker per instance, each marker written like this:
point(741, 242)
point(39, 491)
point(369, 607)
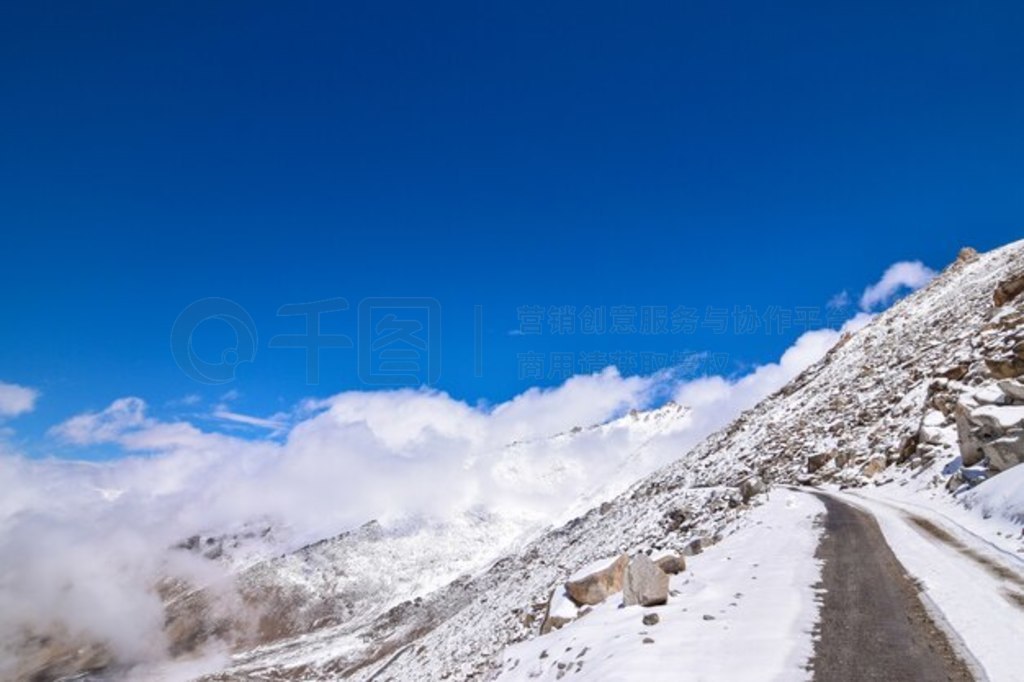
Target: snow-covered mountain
point(924, 398)
point(922, 407)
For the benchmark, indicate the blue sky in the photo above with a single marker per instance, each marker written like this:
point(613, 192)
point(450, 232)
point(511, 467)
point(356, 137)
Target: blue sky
point(487, 160)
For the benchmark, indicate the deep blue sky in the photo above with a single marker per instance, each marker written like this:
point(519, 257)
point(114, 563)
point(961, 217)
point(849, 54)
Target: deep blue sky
point(492, 154)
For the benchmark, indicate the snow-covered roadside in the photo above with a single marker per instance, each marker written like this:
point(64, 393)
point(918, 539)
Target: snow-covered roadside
point(994, 510)
point(743, 610)
point(974, 587)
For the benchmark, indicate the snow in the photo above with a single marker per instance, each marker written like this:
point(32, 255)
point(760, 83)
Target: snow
point(757, 585)
point(974, 589)
point(592, 567)
point(1000, 497)
point(989, 395)
point(1006, 415)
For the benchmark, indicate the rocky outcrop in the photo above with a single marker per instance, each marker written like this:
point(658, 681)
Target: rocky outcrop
point(599, 585)
point(991, 432)
point(1008, 289)
point(966, 255)
point(1005, 452)
point(644, 584)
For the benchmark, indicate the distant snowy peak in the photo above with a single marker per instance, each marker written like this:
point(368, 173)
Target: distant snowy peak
point(666, 418)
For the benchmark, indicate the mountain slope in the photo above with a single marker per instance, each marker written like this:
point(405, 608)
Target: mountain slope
point(866, 412)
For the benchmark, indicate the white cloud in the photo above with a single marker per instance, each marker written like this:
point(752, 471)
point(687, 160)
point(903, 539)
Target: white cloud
point(910, 275)
point(248, 420)
point(190, 400)
point(839, 301)
point(717, 400)
point(16, 400)
point(107, 426)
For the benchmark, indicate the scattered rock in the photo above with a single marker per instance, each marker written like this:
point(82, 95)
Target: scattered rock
point(874, 466)
point(598, 586)
point(648, 640)
point(708, 616)
point(694, 547)
point(651, 619)
point(672, 564)
point(956, 372)
point(815, 462)
point(676, 518)
point(644, 583)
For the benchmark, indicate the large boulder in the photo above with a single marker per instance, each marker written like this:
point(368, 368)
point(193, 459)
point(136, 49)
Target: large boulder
point(1004, 453)
point(671, 564)
point(644, 583)
point(750, 487)
point(967, 434)
point(595, 587)
point(992, 432)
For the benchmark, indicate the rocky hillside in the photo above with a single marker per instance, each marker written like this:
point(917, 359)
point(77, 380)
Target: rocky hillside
point(927, 390)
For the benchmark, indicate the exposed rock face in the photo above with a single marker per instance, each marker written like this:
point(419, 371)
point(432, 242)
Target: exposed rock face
point(1008, 289)
point(58, 658)
point(672, 564)
point(598, 586)
point(645, 584)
